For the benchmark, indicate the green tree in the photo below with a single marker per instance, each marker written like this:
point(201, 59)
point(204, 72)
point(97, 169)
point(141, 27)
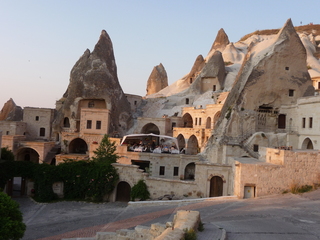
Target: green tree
point(11, 225)
point(7, 154)
point(106, 151)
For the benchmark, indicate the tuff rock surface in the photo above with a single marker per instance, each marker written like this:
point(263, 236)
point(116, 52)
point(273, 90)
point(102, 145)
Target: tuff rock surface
point(158, 80)
point(261, 83)
point(11, 112)
point(94, 76)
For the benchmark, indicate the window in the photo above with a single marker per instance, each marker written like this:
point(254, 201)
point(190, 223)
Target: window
point(175, 171)
point(187, 100)
point(291, 92)
point(42, 132)
point(310, 122)
point(89, 124)
point(196, 121)
point(318, 85)
point(161, 172)
point(173, 125)
point(303, 122)
point(98, 125)
point(214, 88)
point(287, 68)
point(37, 118)
point(135, 102)
point(91, 104)
point(255, 147)
point(190, 80)
point(200, 121)
point(66, 122)
point(7, 133)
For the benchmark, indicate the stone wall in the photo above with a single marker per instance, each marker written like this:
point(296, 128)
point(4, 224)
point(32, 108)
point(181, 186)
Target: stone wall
point(12, 128)
point(37, 118)
point(283, 169)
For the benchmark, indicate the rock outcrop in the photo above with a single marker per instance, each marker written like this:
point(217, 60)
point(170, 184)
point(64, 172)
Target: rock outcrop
point(158, 80)
point(262, 87)
point(11, 112)
point(94, 77)
point(221, 41)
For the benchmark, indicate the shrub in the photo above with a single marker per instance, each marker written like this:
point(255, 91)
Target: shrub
point(201, 226)
point(140, 190)
point(189, 234)
point(11, 225)
point(7, 154)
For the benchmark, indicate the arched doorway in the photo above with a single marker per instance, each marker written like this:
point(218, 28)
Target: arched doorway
point(181, 143)
point(123, 192)
point(78, 145)
point(208, 123)
point(28, 154)
point(187, 121)
point(150, 128)
point(192, 146)
point(66, 122)
point(216, 186)
point(189, 171)
point(307, 144)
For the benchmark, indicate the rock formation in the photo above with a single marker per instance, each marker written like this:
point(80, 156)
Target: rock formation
point(94, 77)
point(261, 88)
point(220, 42)
point(157, 80)
point(11, 112)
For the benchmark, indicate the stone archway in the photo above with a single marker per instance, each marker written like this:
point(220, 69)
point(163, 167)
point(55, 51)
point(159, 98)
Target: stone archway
point(189, 171)
point(181, 143)
point(192, 146)
point(307, 144)
point(216, 186)
point(78, 145)
point(150, 128)
point(187, 121)
point(28, 154)
point(123, 192)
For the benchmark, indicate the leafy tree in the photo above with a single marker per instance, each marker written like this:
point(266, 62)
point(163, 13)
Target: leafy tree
point(7, 154)
point(106, 151)
point(11, 225)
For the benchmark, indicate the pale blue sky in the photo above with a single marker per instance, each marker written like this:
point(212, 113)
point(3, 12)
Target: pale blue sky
point(40, 41)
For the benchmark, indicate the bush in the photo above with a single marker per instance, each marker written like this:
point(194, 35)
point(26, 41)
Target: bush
point(140, 190)
point(7, 154)
point(190, 234)
point(11, 225)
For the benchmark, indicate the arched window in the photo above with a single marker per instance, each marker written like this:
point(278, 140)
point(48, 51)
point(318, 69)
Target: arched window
point(66, 122)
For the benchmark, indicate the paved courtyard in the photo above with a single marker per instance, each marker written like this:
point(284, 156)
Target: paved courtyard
point(285, 216)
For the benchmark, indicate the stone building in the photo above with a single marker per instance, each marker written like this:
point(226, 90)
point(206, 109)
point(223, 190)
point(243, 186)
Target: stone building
point(245, 119)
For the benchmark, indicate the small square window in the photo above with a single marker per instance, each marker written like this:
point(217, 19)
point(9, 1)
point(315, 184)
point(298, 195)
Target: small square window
point(287, 68)
point(291, 92)
point(161, 172)
point(89, 124)
point(175, 171)
point(256, 148)
point(37, 118)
